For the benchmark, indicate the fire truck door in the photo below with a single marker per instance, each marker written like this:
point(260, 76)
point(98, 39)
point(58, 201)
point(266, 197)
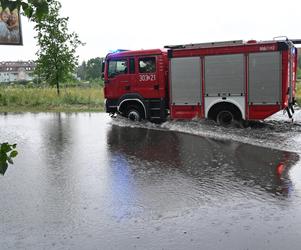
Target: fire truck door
point(148, 80)
point(118, 75)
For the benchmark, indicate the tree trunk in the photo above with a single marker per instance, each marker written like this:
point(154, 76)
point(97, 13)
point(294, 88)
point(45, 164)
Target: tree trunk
point(57, 83)
point(58, 88)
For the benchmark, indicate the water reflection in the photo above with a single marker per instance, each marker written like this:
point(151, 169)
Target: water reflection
point(218, 167)
point(81, 183)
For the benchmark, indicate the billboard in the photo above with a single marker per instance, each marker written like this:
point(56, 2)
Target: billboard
point(10, 27)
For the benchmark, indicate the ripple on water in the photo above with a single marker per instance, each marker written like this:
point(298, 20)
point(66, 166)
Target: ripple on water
point(276, 132)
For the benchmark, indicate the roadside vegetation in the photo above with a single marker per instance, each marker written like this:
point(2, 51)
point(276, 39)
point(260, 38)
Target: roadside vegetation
point(18, 98)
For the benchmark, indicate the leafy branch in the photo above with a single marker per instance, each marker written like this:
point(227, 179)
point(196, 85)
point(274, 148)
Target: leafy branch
point(7, 153)
point(30, 8)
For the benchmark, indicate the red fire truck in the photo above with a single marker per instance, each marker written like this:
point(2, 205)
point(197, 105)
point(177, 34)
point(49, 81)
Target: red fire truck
point(224, 81)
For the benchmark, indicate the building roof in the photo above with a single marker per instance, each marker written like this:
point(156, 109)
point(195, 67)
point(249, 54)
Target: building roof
point(15, 66)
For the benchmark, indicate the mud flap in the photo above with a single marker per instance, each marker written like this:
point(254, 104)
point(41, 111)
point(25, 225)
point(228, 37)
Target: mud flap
point(289, 112)
point(292, 109)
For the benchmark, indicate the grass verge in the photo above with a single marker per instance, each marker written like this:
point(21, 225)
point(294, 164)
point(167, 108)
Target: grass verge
point(45, 99)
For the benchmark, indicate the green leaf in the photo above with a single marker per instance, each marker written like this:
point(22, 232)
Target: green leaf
point(3, 157)
point(13, 154)
point(3, 167)
point(5, 147)
point(7, 152)
point(25, 6)
point(42, 10)
point(28, 11)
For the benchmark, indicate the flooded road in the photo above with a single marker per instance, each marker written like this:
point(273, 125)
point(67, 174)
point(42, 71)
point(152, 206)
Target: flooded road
point(83, 181)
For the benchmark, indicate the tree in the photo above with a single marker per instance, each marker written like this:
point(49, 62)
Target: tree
point(82, 71)
point(90, 70)
point(94, 68)
point(56, 55)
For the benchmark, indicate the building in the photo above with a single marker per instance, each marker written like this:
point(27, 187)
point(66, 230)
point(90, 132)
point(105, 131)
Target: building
point(16, 71)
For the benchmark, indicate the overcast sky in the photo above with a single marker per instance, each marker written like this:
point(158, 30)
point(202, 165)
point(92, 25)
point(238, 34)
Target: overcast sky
point(135, 24)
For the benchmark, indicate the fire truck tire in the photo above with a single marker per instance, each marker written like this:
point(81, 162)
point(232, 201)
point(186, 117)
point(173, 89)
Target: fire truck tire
point(134, 113)
point(225, 118)
point(226, 115)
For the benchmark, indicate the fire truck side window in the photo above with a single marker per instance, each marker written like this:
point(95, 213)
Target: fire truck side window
point(117, 67)
point(147, 65)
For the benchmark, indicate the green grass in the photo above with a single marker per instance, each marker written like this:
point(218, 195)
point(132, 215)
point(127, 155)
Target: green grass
point(43, 99)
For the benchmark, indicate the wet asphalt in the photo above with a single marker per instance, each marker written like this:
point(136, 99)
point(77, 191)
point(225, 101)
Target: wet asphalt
point(82, 181)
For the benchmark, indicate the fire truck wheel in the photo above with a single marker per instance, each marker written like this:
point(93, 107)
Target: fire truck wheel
point(134, 114)
point(225, 114)
point(225, 118)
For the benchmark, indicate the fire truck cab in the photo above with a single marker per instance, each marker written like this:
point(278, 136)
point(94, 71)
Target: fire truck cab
point(136, 84)
point(224, 81)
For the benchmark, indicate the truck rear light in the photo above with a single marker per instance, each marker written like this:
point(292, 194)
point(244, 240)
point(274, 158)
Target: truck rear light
point(280, 169)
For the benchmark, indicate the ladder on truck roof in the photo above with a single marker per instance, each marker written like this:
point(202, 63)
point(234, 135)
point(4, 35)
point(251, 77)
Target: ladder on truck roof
point(204, 45)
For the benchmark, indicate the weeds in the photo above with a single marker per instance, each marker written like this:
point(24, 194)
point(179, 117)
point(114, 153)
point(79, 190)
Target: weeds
point(22, 98)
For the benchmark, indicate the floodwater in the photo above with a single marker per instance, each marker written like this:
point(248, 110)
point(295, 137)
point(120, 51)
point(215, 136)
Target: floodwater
point(84, 181)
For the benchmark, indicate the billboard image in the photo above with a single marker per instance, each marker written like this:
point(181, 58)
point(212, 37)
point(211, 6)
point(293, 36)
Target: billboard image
point(10, 27)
